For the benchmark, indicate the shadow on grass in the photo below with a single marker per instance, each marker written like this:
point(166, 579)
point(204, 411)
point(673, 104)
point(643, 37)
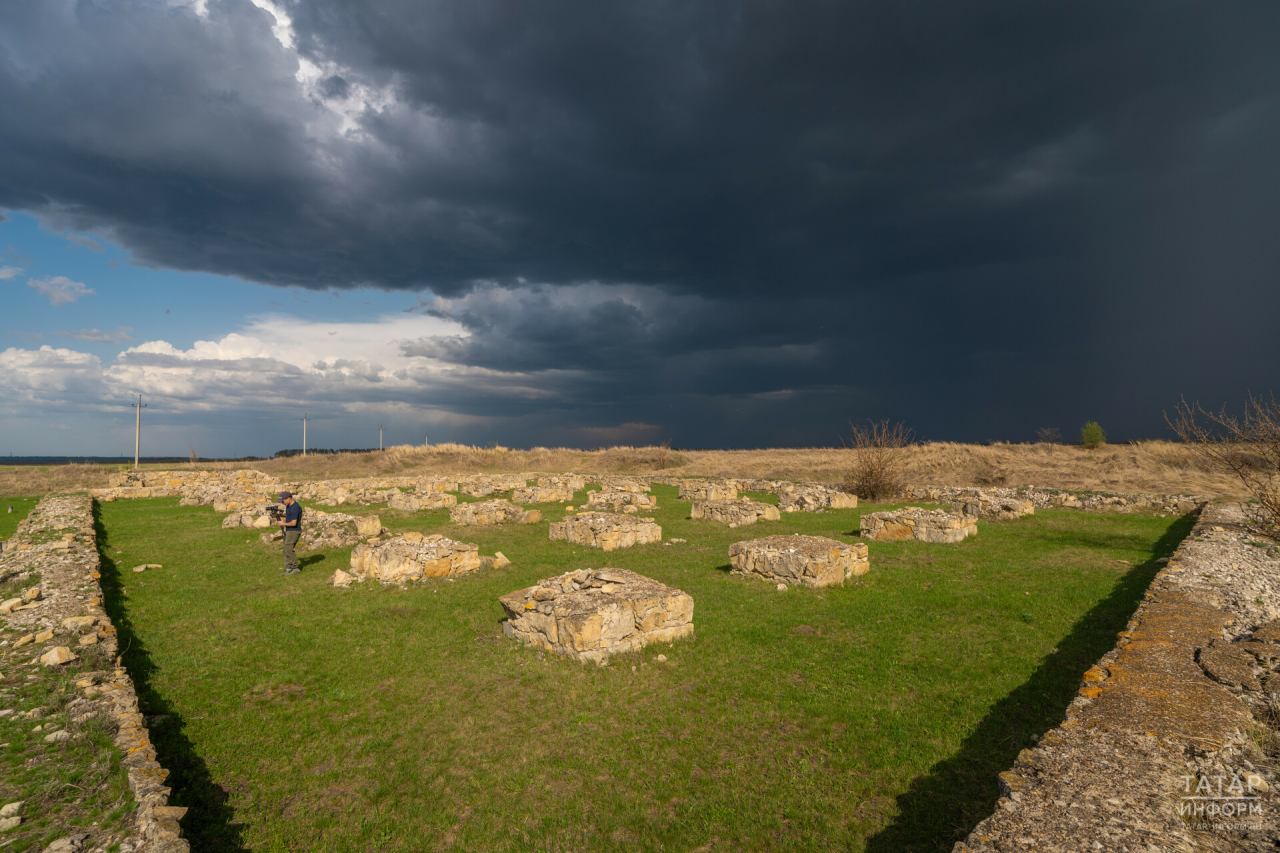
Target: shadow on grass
point(209, 825)
point(944, 806)
point(304, 562)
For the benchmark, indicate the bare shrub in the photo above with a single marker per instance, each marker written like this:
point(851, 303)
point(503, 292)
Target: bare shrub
point(194, 457)
point(879, 454)
point(1049, 435)
point(1249, 448)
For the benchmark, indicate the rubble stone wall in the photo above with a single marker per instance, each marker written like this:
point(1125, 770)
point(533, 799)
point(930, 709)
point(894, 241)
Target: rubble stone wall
point(1159, 748)
point(606, 530)
point(58, 622)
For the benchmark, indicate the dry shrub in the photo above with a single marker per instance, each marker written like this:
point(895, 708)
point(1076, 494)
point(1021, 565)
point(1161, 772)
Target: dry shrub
point(1249, 448)
point(879, 456)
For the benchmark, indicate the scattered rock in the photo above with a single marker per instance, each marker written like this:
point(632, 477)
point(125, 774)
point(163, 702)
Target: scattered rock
point(8, 823)
point(58, 736)
point(58, 656)
point(662, 658)
point(44, 636)
point(11, 809)
point(342, 579)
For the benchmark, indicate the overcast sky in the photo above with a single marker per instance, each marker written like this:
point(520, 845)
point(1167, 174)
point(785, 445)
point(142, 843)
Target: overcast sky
point(566, 223)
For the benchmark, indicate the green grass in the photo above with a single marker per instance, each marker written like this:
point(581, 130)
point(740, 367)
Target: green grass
point(869, 717)
point(22, 507)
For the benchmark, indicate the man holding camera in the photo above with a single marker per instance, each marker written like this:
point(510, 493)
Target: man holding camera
point(291, 527)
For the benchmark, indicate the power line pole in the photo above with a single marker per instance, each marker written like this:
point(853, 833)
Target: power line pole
point(304, 433)
point(137, 429)
point(379, 437)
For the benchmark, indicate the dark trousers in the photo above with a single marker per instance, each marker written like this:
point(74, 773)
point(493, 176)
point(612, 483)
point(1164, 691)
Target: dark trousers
point(290, 558)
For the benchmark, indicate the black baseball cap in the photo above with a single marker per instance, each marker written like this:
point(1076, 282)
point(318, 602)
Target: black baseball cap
point(284, 495)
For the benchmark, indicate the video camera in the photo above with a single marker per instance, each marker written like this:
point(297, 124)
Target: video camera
point(276, 511)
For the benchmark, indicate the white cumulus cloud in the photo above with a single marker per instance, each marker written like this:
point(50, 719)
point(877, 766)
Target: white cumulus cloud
point(59, 289)
point(7, 273)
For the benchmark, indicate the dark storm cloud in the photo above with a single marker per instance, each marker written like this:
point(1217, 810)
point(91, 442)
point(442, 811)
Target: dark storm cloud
point(982, 217)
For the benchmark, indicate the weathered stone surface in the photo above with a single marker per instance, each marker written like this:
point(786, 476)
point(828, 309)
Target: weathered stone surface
point(607, 531)
point(572, 482)
point(1052, 498)
point(619, 501)
point(925, 525)
point(615, 483)
point(418, 502)
point(994, 508)
point(413, 557)
point(483, 485)
point(738, 512)
point(328, 530)
point(591, 614)
point(57, 656)
point(542, 494)
point(812, 498)
point(496, 511)
point(707, 490)
point(806, 560)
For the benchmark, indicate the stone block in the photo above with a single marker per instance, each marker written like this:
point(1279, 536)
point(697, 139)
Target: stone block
point(573, 482)
point(814, 498)
point(542, 494)
point(707, 490)
point(994, 508)
point(413, 557)
point(421, 501)
point(591, 614)
point(497, 511)
point(805, 560)
point(736, 512)
point(925, 525)
point(619, 501)
point(606, 530)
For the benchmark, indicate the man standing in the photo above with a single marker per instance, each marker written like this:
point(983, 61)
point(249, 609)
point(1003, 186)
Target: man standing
point(291, 527)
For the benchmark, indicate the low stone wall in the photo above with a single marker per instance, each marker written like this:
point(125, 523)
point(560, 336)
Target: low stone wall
point(621, 501)
point(1056, 498)
point(1159, 750)
point(994, 508)
point(420, 501)
point(413, 557)
point(64, 624)
point(542, 494)
point(493, 512)
point(572, 482)
point(592, 614)
point(738, 512)
point(707, 490)
point(925, 525)
point(805, 560)
point(802, 498)
point(606, 530)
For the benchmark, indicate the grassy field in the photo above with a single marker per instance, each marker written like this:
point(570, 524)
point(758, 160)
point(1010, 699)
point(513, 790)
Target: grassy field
point(21, 509)
point(295, 716)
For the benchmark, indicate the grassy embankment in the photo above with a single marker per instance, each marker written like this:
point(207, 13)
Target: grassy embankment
point(295, 716)
point(1160, 467)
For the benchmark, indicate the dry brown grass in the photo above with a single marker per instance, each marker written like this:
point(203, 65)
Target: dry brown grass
point(1160, 467)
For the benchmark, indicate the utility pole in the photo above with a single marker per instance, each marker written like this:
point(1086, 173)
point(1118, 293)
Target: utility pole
point(304, 433)
point(379, 438)
point(137, 429)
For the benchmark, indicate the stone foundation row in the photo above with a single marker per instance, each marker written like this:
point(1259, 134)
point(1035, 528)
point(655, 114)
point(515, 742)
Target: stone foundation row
point(62, 621)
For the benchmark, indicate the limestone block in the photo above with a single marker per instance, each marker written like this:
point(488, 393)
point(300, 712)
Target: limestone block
point(806, 560)
point(994, 508)
point(606, 530)
point(573, 482)
point(610, 483)
point(736, 511)
point(413, 557)
point(542, 494)
point(591, 614)
point(497, 511)
point(483, 485)
point(802, 498)
point(422, 501)
point(706, 490)
point(926, 525)
point(619, 501)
